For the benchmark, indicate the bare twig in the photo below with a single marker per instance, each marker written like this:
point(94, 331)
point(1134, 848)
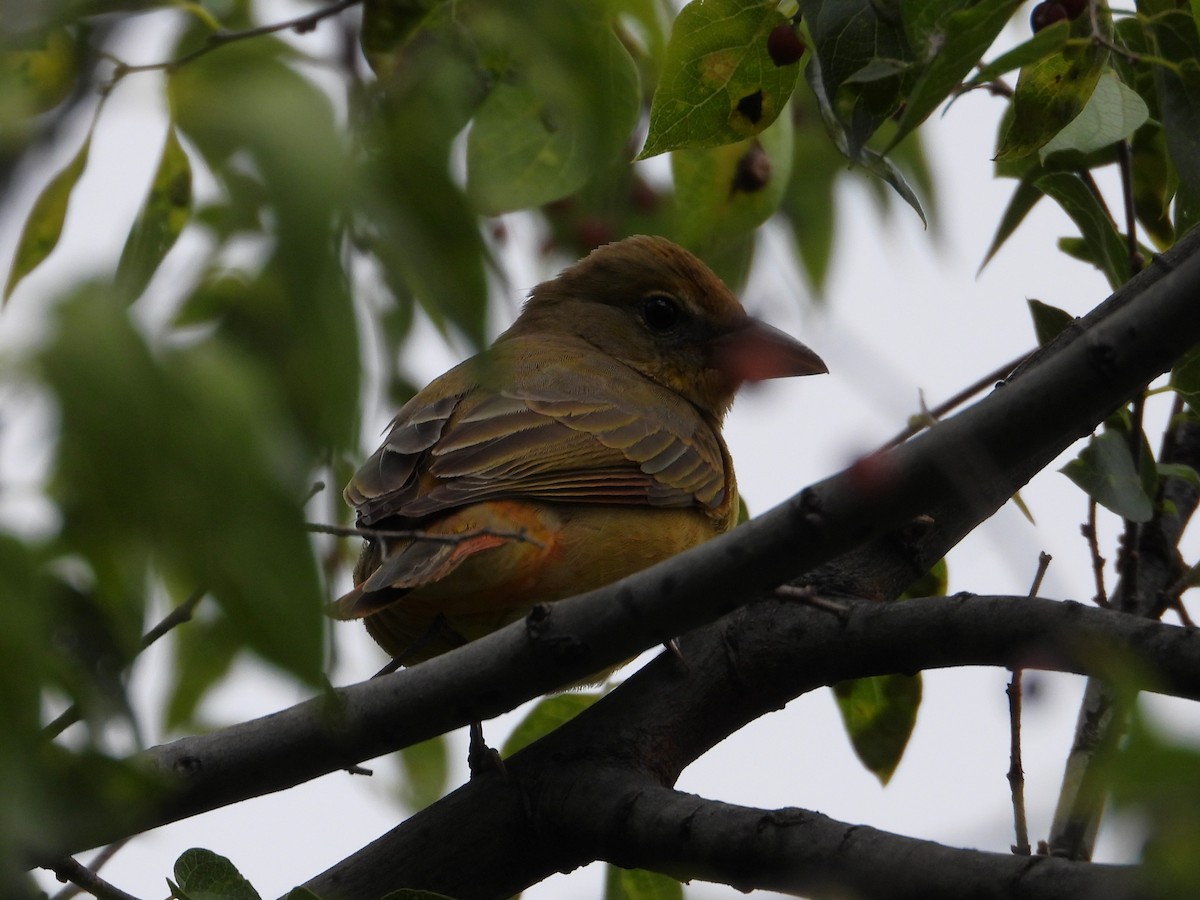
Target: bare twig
point(97, 863)
point(1016, 772)
point(928, 417)
point(71, 870)
point(1088, 529)
point(177, 616)
point(300, 25)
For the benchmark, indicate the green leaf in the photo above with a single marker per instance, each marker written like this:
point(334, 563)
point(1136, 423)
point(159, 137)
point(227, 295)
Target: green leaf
point(808, 201)
point(547, 715)
point(44, 226)
point(425, 773)
point(565, 105)
point(164, 212)
point(723, 193)
point(204, 652)
point(1047, 42)
point(1048, 321)
point(956, 42)
point(1049, 94)
point(1106, 473)
point(638, 884)
point(718, 83)
point(1107, 247)
point(1175, 38)
point(1179, 470)
point(38, 69)
point(1154, 184)
point(1024, 199)
point(1185, 378)
point(879, 714)
point(204, 875)
point(1113, 113)
point(932, 584)
point(860, 68)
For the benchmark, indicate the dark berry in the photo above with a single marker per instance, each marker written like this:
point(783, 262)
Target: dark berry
point(753, 171)
point(1045, 14)
point(784, 45)
point(1074, 8)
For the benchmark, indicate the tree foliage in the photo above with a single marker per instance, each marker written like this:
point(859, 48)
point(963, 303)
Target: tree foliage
point(324, 203)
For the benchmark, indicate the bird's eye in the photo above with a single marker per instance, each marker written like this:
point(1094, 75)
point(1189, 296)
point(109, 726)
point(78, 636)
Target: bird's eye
point(660, 312)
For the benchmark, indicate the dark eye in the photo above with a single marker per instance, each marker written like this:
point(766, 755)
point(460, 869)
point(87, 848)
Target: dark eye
point(660, 312)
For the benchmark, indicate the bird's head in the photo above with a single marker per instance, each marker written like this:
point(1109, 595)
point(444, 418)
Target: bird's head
point(658, 309)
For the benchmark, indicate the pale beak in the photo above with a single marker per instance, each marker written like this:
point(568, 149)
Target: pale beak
point(756, 351)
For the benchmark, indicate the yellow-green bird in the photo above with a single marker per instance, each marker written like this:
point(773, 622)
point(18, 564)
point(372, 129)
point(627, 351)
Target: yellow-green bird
point(592, 427)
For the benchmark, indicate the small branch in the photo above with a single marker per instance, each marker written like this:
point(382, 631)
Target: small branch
point(929, 417)
point(1136, 261)
point(177, 616)
point(71, 870)
point(411, 535)
point(1088, 529)
point(97, 863)
point(300, 25)
point(1016, 772)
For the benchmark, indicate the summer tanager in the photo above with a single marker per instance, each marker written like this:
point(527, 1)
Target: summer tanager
point(583, 446)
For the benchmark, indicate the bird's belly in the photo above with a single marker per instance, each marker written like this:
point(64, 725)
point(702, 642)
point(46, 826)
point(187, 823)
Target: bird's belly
point(572, 548)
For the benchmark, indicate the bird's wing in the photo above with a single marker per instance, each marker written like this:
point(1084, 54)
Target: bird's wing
point(567, 428)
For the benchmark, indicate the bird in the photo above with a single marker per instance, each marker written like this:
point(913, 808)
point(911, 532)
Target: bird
point(584, 445)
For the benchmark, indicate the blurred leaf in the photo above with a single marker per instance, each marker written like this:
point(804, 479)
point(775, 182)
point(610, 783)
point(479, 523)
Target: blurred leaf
point(44, 225)
point(1048, 321)
point(952, 43)
point(638, 884)
point(1108, 249)
point(546, 715)
point(932, 584)
point(1113, 113)
point(37, 71)
point(1154, 184)
point(879, 714)
point(425, 773)
point(724, 193)
point(1106, 473)
point(164, 212)
point(719, 83)
point(1159, 781)
point(1175, 38)
point(1045, 43)
point(1050, 93)
point(185, 455)
point(204, 652)
point(1180, 471)
point(565, 104)
point(204, 875)
point(388, 24)
point(808, 199)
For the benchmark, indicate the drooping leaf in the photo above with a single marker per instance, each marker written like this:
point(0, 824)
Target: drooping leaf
point(1048, 321)
point(879, 714)
point(203, 875)
point(719, 83)
point(1108, 249)
point(44, 226)
point(1024, 199)
point(638, 884)
point(1047, 42)
point(165, 211)
point(1106, 473)
point(546, 715)
point(1175, 39)
point(1185, 378)
point(204, 652)
point(1112, 113)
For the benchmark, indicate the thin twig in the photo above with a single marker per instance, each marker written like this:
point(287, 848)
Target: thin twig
point(928, 417)
point(300, 24)
point(1088, 529)
point(71, 870)
point(411, 535)
point(97, 863)
point(1127, 557)
point(177, 616)
point(1016, 772)
point(1136, 261)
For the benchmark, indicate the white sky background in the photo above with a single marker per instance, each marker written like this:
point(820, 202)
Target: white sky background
point(903, 311)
